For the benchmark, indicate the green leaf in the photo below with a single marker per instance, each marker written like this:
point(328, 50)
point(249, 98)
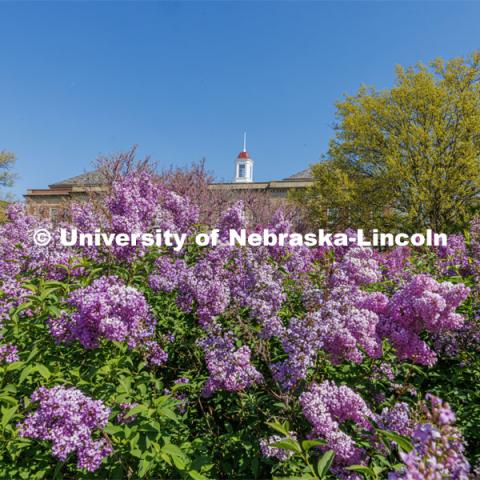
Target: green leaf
point(359, 468)
point(144, 467)
point(404, 444)
point(377, 470)
point(15, 366)
point(167, 412)
point(7, 414)
point(279, 428)
point(125, 383)
point(308, 444)
point(8, 399)
point(43, 370)
point(25, 373)
point(113, 429)
point(137, 409)
point(305, 476)
point(288, 444)
point(136, 452)
point(173, 450)
point(325, 462)
point(196, 475)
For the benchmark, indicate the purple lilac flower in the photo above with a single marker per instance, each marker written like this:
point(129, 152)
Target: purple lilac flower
point(295, 259)
point(230, 369)
point(326, 407)
point(167, 274)
point(464, 339)
point(136, 204)
point(182, 397)
point(182, 381)
point(301, 342)
point(349, 318)
point(344, 325)
point(357, 267)
point(19, 254)
point(12, 294)
point(396, 419)
point(256, 285)
point(438, 450)
point(347, 324)
point(8, 353)
point(453, 257)
point(205, 286)
point(396, 264)
point(421, 305)
point(69, 419)
point(475, 238)
point(154, 353)
point(233, 218)
point(105, 309)
point(384, 371)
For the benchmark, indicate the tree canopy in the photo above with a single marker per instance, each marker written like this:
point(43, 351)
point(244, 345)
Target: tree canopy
point(406, 157)
point(7, 160)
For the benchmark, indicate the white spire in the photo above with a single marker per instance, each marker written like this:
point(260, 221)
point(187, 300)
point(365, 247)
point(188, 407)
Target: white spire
point(244, 141)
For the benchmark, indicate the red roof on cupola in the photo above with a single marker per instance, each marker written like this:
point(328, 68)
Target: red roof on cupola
point(243, 154)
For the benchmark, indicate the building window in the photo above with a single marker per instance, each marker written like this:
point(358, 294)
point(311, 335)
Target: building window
point(242, 170)
point(54, 213)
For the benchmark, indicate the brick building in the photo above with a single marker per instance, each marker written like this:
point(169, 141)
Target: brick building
point(51, 201)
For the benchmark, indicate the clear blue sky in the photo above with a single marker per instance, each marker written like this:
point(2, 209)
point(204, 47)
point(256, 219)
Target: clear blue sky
point(183, 80)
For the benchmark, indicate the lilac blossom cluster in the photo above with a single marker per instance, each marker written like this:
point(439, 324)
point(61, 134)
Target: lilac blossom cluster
point(396, 419)
point(453, 258)
point(438, 450)
point(328, 406)
point(69, 419)
point(19, 254)
point(230, 369)
point(112, 310)
point(348, 319)
point(136, 204)
point(396, 264)
point(8, 353)
point(344, 323)
point(423, 305)
point(105, 309)
point(226, 278)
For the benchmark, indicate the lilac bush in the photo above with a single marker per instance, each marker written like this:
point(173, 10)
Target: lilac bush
point(339, 343)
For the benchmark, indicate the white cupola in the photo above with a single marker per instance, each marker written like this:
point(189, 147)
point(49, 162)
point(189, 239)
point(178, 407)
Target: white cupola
point(244, 165)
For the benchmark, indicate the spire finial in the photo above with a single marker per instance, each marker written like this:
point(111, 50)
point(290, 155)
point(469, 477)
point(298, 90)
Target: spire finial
point(244, 141)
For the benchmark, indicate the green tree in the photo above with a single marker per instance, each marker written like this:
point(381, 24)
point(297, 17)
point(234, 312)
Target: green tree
point(407, 157)
point(7, 160)
point(7, 177)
